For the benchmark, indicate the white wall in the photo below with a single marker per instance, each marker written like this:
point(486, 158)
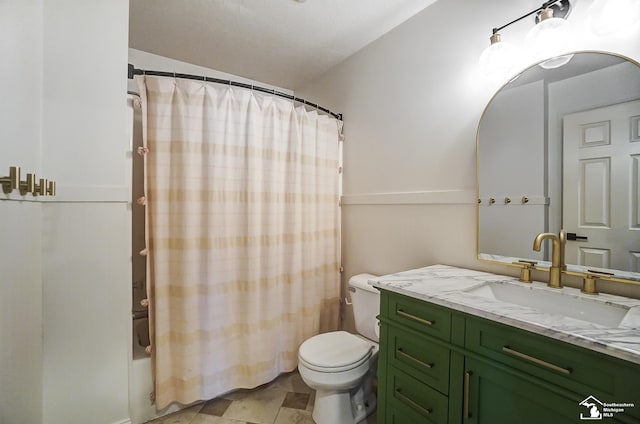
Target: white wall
point(412, 101)
point(65, 287)
point(86, 227)
point(20, 267)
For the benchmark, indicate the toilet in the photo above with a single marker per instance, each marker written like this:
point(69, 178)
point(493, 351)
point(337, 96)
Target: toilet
point(341, 366)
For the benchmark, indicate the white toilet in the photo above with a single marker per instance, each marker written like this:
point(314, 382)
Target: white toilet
point(341, 366)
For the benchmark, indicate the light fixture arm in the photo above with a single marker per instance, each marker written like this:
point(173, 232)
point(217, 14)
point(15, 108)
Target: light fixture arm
point(562, 6)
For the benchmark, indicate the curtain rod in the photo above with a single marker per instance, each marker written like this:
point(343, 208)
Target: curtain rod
point(132, 71)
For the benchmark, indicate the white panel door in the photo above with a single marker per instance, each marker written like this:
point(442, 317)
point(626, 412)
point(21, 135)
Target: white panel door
point(601, 186)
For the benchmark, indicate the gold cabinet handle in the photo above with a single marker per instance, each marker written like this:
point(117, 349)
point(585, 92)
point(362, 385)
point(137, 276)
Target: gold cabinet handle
point(467, 383)
point(415, 318)
point(413, 403)
point(537, 361)
point(416, 360)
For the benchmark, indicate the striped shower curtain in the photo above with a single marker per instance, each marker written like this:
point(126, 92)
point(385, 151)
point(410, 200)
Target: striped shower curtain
point(243, 234)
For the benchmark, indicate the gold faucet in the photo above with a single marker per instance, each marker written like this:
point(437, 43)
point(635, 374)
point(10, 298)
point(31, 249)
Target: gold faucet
point(557, 255)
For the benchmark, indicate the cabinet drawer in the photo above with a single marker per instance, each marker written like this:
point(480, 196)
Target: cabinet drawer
point(401, 414)
point(424, 317)
point(579, 370)
point(412, 398)
point(420, 357)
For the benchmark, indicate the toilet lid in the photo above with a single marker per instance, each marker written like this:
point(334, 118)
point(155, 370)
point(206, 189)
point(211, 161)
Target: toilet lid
point(335, 351)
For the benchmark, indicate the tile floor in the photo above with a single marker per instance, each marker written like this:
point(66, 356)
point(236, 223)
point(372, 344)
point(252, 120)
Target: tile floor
point(286, 400)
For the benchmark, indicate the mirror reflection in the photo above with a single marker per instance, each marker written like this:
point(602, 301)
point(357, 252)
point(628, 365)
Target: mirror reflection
point(560, 148)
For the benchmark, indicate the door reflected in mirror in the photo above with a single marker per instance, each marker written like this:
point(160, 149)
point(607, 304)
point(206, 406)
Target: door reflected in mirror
point(560, 148)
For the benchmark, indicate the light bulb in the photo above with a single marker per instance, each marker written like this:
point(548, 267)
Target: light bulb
point(549, 39)
point(608, 17)
point(500, 60)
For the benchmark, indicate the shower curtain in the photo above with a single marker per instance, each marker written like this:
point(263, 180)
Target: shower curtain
point(243, 228)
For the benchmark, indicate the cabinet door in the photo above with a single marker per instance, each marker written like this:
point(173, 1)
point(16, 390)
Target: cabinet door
point(494, 396)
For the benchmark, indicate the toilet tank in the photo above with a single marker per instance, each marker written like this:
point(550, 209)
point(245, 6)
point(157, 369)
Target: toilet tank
point(366, 305)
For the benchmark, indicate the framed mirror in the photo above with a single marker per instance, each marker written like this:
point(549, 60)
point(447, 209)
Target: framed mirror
point(560, 149)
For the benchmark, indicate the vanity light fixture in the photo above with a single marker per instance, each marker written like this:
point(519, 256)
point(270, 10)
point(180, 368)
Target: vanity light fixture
point(609, 17)
point(500, 59)
point(548, 38)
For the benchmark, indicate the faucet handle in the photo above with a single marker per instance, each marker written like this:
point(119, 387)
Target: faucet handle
point(589, 283)
point(591, 278)
point(525, 269)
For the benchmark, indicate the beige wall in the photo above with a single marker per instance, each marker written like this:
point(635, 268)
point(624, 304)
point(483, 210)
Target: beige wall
point(412, 101)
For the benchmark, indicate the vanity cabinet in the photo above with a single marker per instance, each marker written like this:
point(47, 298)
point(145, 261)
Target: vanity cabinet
point(496, 395)
point(438, 365)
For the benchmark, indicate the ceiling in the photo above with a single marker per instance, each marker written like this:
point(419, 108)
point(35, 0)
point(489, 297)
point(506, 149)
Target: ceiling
point(286, 43)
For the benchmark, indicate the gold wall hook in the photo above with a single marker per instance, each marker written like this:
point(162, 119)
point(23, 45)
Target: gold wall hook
point(41, 188)
point(492, 200)
point(525, 200)
point(51, 188)
point(12, 181)
point(28, 185)
point(507, 200)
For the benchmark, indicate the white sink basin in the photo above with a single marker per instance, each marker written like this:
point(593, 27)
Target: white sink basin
point(554, 301)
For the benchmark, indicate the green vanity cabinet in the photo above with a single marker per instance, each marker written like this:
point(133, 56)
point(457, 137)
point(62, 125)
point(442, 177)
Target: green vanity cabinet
point(414, 361)
point(438, 365)
point(498, 396)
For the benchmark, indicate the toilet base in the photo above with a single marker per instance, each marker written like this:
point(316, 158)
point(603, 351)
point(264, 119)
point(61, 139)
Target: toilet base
point(343, 407)
point(332, 407)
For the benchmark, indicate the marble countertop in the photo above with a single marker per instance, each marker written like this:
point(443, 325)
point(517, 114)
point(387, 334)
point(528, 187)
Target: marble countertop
point(449, 286)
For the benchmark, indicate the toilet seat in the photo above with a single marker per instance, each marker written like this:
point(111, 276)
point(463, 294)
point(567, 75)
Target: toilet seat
point(336, 351)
